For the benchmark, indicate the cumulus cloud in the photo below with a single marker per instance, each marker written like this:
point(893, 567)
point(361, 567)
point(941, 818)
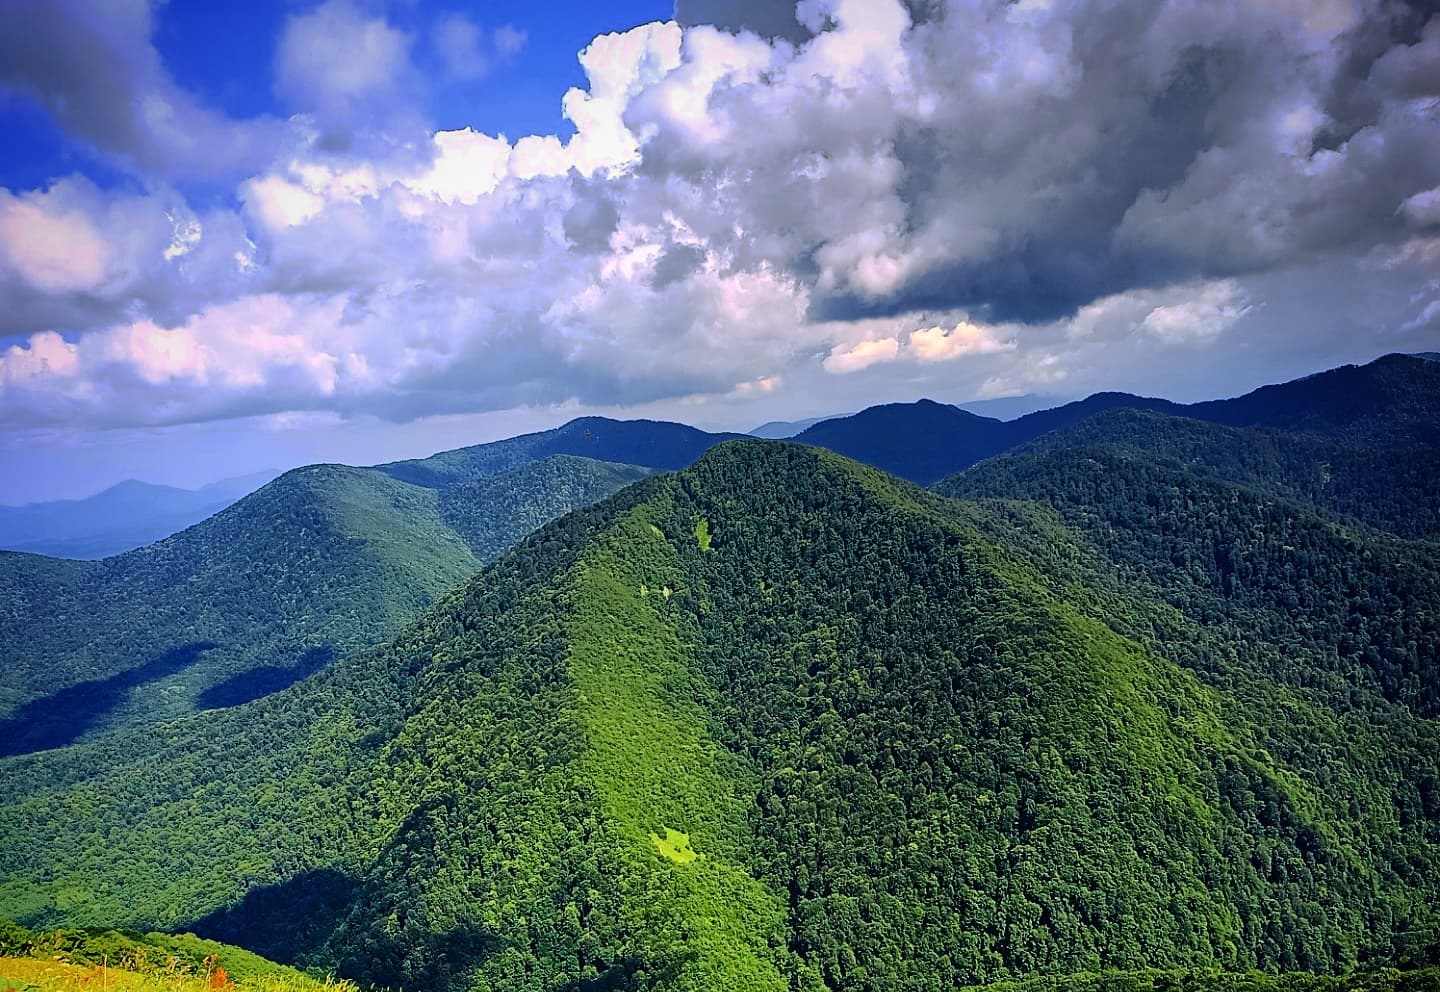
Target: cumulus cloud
point(51, 250)
point(862, 355)
point(999, 196)
point(74, 256)
point(936, 344)
point(94, 68)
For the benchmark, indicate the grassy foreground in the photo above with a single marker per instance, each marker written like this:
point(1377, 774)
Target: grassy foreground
point(113, 961)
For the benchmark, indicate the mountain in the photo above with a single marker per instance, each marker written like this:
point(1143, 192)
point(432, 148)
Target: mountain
point(128, 515)
point(1371, 481)
point(1350, 606)
point(654, 444)
point(780, 721)
point(321, 562)
point(1396, 397)
point(1392, 400)
point(920, 441)
point(780, 430)
point(1010, 407)
point(1003, 408)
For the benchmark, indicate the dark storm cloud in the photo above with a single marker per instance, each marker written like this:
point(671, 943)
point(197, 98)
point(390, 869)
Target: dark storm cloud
point(1151, 177)
point(766, 18)
point(772, 18)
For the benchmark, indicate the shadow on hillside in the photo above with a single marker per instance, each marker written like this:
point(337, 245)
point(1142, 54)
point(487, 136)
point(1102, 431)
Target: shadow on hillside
point(323, 918)
point(262, 681)
point(65, 716)
point(286, 921)
point(411, 956)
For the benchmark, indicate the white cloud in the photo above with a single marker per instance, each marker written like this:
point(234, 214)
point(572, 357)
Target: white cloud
point(1186, 313)
point(278, 203)
point(1423, 209)
point(509, 39)
point(844, 359)
point(54, 249)
point(883, 198)
point(467, 166)
point(1210, 311)
point(460, 43)
point(935, 344)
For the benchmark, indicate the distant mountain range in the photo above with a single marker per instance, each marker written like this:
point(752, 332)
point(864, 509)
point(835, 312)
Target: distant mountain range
point(922, 442)
point(127, 515)
point(1392, 398)
point(1001, 408)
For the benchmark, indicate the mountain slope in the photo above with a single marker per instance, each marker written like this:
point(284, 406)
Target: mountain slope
point(1394, 398)
point(780, 430)
point(777, 721)
point(1351, 609)
point(321, 562)
point(1386, 487)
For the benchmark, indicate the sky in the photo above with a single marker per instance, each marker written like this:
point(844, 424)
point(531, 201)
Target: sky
point(242, 236)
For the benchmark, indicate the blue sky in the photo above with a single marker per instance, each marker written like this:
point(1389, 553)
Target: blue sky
point(221, 52)
point(239, 236)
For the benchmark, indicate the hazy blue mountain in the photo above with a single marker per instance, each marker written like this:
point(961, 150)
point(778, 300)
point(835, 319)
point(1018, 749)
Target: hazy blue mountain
point(779, 430)
point(127, 515)
point(1010, 407)
point(921, 441)
point(654, 444)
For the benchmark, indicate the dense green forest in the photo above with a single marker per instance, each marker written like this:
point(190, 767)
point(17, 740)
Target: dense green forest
point(780, 721)
point(1384, 480)
point(321, 562)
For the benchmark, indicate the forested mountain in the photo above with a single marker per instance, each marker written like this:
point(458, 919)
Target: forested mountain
point(323, 561)
point(1354, 611)
point(1395, 398)
point(1392, 400)
point(920, 441)
point(780, 721)
point(655, 444)
point(125, 516)
point(1390, 484)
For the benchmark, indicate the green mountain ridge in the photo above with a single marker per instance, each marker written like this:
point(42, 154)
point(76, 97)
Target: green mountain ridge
point(322, 562)
point(910, 743)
